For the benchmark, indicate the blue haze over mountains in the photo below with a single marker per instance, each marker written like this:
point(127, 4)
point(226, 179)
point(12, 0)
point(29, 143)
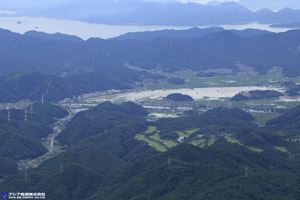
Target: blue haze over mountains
point(137, 12)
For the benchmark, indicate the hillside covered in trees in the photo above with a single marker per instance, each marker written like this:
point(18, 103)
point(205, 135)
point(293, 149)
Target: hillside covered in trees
point(21, 139)
point(179, 97)
point(256, 95)
point(62, 66)
point(106, 159)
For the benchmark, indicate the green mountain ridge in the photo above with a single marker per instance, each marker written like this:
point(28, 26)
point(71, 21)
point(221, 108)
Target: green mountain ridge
point(214, 173)
point(21, 139)
point(109, 163)
point(288, 120)
point(62, 68)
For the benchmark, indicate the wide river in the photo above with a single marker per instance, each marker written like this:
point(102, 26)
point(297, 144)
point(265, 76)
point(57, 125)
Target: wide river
point(86, 30)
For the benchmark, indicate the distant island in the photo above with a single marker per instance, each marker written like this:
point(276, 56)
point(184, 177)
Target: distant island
point(179, 97)
point(256, 95)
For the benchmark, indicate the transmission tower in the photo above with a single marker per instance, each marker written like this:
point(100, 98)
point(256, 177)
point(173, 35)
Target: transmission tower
point(246, 171)
point(25, 119)
point(43, 99)
point(169, 162)
point(8, 115)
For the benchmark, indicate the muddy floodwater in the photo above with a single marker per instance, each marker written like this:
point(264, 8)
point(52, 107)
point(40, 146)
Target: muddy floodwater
point(211, 93)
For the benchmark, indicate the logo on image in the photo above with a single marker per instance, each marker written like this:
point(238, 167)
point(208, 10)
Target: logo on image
point(4, 195)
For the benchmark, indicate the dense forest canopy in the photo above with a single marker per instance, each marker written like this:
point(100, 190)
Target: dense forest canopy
point(106, 161)
point(20, 139)
point(62, 66)
point(256, 95)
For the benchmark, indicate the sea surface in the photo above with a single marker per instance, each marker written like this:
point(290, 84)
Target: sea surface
point(86, 30)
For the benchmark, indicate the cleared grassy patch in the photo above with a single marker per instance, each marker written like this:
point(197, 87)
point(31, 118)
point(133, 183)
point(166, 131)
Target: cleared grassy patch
point(151, 143)
point(258, 150)
point(211, 141)
point(182, 134)
point(232, 140)
point(168, 143)
point(187, 133)
point(200, 143)
point(283, 149)
point(151, 129)
point(190, 132)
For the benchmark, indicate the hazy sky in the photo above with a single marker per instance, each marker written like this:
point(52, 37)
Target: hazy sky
point(21, 4)
point(195, 1)
point(252, 4)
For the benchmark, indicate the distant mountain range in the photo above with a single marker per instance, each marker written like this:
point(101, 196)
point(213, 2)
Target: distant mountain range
point(128, 4)
point(138, 12)
point(273, 5)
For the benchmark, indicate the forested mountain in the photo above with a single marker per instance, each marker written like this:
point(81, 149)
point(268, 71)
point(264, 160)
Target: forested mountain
point(21, 139)
point(48, 112)
point(230, 113)
point(288, 120)
point(179, 97)
point(213, 50)
point(96, 54)
point(53, 37)
point(193, 173)
point(113, 151)
point(19, 144)
point(225, 125)
point(215, 173)
point(8, 166)
point(106, 161)
point(256, 95)
point(186, 34)
point(95, 153)
point(100, 119)
point(62, 66)
point(33, 85)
